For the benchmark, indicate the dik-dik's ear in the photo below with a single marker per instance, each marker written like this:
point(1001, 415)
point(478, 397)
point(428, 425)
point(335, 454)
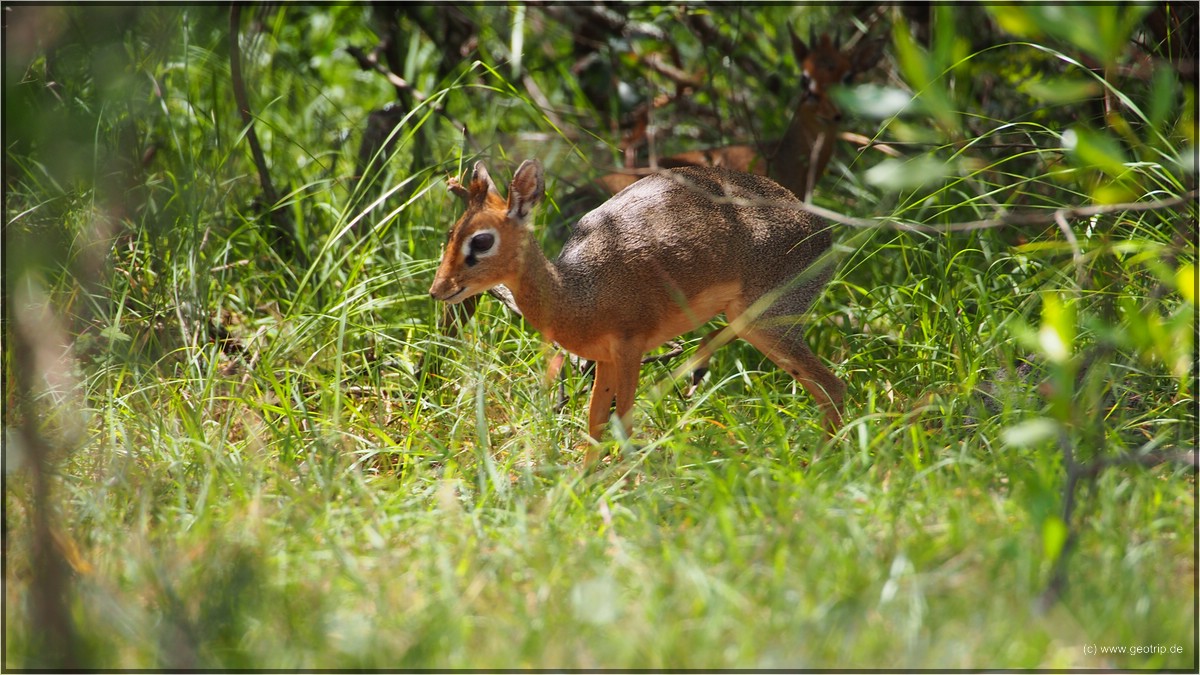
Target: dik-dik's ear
point(481, 185)
point(527, 189)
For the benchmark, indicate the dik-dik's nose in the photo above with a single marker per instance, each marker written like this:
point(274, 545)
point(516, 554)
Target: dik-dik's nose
point(445, 290)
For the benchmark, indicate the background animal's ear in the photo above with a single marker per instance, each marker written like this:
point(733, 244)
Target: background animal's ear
point(527, 189)
point(799, 49)
point(481, 185)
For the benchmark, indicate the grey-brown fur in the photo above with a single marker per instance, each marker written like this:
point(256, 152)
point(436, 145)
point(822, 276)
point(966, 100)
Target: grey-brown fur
point(760, 221)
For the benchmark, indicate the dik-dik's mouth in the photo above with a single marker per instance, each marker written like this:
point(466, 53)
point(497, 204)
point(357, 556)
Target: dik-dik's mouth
point(444, 295)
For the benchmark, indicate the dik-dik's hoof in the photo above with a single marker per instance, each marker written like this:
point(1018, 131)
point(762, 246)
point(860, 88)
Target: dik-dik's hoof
point(697, 377)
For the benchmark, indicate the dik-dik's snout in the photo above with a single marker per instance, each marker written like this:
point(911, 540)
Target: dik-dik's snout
point(446, 289)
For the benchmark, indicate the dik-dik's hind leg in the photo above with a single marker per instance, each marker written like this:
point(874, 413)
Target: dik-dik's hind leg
point(628, 366)
point(703, 357)
point(786, 347)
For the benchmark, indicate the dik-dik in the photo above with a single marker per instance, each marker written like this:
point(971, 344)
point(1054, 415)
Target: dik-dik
point(656, 261)
point(799, 158)
point(796, 161)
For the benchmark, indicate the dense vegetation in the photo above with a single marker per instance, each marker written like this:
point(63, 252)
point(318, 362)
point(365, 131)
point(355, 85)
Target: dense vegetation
point(236, 438)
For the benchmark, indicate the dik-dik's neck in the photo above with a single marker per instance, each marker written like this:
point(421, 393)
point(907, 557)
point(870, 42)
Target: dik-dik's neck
point(800, 157)
point(538, 289)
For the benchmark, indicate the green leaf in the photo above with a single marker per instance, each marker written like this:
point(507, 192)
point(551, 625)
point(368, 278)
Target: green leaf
point(1015, 20)
point(1096, 149)
point(925, 78)
point(1100, 30)
point(899, 174)
point(1164, 90)
point(114, 333)
point(1030, 433)
point(1056, 336)
point(949, 46)
point(1137, 329)
point(1116, 192)
point(1185, 281)
point(1060, 90)
point(873, 101)
point(1054, 537)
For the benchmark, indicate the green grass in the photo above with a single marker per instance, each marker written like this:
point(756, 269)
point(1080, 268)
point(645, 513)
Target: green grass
point(305, 499)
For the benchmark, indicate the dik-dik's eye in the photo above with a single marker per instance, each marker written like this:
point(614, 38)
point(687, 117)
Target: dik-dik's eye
point(480, 245)
point(483, 242)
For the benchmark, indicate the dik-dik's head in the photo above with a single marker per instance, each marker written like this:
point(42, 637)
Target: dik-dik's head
point(485, 245)
point(825, 63)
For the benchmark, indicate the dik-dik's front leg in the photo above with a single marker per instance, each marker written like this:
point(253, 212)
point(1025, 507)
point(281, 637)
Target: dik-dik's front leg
point(615, 381)
point(604, 391)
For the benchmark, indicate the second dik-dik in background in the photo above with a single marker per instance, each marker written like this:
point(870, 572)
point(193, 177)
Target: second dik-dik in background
point(799, 158)
point(657, 261)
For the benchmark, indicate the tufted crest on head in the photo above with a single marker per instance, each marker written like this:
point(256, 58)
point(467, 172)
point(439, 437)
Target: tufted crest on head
point(481, 186)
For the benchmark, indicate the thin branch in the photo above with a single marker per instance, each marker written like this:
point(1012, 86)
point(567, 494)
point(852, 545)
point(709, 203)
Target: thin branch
point(1086, 473)
point(674, 349)
point(367, 62)
point(280, 217)
point(1015, 219)
point(708, 33)
point(658, 64)
point(866, 143)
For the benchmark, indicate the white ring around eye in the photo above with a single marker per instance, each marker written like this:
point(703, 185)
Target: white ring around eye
point(466, 245)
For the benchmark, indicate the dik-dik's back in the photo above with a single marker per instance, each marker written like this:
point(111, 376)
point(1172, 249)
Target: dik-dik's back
point(690, 238)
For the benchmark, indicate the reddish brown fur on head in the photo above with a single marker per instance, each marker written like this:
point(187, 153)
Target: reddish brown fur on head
point(482, 249)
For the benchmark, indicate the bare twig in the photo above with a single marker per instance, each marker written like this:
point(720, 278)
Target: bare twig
point(279, 217)
point(368, 62)
point(709, 34)
point(674, 349)
point(1011, 219)
point(869, 144)
point(658, 64)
